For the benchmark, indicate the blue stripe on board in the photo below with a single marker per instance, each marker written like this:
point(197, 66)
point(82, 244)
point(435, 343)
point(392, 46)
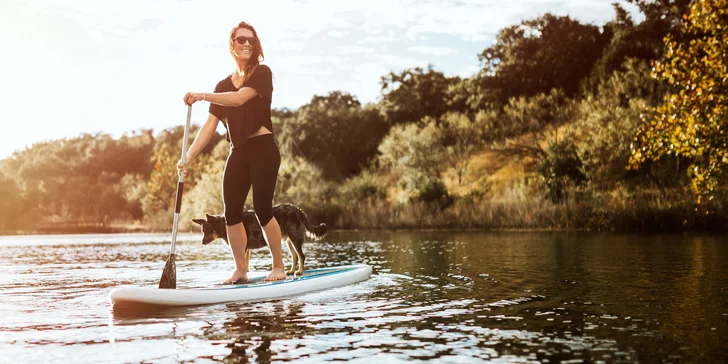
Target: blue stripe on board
point(263, 284)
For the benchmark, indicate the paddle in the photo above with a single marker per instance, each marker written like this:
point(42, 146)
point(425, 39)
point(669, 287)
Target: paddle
point(169, 275)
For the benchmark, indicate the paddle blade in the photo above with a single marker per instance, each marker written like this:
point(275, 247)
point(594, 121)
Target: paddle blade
point(169, 275)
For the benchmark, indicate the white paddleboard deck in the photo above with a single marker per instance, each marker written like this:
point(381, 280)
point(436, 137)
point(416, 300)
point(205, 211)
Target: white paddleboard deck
point(256, 289)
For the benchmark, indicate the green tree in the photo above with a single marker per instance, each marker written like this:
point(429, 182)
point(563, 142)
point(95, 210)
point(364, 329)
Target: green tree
point(413, 153)
point(529, 128)
point(134, 188)
point(302, 183)
point(461, 137)
point(77, 179)
point(206, 196)
point(361, 187)
point(414, 93)
point(641, 41)
point(607, 119)
point(539, 55)
point(560, 166)
point(692, 119)
point(473, 95)
point(12, 205)
point(335, 133)
point(162, 182)
point(664, 15)
point(526, 124)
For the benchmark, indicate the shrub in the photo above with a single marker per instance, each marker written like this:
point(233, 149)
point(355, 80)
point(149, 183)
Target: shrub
point(560, 166)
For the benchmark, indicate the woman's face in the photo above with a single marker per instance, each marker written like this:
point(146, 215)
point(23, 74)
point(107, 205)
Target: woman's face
point(245, 50)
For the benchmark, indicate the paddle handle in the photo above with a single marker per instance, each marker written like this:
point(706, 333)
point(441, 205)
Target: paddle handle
point(180, 181)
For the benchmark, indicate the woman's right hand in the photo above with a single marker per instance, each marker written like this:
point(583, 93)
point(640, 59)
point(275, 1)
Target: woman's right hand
point(192, 97)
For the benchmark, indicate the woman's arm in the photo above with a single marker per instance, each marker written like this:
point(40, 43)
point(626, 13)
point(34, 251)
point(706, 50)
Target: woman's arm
point(203, 137)
point(232, 98)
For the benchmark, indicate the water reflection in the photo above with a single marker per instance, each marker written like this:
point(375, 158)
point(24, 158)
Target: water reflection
point(446, 295)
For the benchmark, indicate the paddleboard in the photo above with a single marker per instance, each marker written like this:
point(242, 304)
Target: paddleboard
point(255, 289)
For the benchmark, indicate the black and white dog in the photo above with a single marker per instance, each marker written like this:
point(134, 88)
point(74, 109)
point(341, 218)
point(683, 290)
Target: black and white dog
point(294, 224)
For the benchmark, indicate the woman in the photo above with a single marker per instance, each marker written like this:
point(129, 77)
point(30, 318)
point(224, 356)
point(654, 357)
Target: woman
point(242, 101)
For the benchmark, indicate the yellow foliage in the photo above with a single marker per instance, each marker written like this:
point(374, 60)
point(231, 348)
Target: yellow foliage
point(691, 119)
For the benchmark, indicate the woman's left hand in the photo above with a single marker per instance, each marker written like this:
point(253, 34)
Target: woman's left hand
point(192, 97)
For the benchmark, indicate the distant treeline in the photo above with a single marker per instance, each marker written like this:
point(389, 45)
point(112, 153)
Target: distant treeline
point(565, 126)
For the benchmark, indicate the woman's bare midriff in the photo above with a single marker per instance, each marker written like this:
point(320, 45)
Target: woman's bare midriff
point(262, 131)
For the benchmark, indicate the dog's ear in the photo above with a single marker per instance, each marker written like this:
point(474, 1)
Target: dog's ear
point(198, 221)
point(209, 217)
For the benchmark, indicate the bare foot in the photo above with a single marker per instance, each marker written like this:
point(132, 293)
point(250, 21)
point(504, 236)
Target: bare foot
point(238, 276)
point(277, 274)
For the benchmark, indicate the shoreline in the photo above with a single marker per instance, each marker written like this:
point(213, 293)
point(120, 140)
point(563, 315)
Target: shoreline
point(142, 230)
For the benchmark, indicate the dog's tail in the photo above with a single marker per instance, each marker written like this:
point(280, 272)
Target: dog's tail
point(314, 232)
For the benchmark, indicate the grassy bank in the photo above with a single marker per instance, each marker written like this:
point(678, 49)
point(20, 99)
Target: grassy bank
point(622, 211)
point(641, 211)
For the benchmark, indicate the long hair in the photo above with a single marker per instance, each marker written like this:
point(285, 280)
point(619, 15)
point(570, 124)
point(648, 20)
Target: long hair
point(255, 58)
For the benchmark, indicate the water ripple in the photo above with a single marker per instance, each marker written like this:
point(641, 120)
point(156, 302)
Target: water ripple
point(453, 297)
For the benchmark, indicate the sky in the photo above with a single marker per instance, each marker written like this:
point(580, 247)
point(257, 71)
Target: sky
point(73, 66)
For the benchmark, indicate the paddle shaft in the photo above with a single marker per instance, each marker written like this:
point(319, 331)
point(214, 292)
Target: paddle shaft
point(180, 182)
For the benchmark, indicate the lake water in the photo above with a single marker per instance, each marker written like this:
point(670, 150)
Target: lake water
point(434, 295)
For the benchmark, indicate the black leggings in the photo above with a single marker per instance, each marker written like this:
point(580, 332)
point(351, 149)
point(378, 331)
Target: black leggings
point(256, 163)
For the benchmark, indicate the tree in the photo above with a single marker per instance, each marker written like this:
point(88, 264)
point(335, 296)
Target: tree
point(541, 54)
point(162, 181)
point(206, 196)
point(529, 127)
point(561, 165)
point(302, 183)
point(415, 93)
point(693, 116)
point(363, 186)
point(12, 205)
point(335, 133)
point(527, 123)
point(641, 41)
point(413, 152)
point(78, 179)
point(607, 119)
point(470, 96)
point(664, 14)
point(461, 138)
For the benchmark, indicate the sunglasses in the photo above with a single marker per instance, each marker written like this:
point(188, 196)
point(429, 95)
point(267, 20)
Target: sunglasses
point(241, 40)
